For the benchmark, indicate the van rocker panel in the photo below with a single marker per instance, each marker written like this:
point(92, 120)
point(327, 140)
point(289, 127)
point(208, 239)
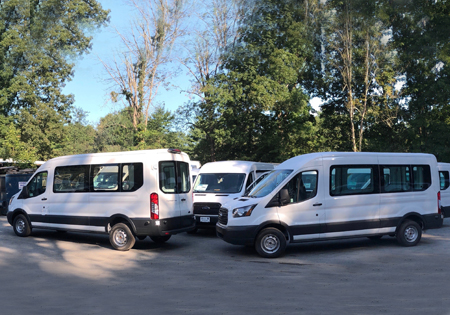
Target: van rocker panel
point(140, 226)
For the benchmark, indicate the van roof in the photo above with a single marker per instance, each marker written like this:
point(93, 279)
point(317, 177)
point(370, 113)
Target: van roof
point(234, 166)
point(84, 158)
point(299, 160)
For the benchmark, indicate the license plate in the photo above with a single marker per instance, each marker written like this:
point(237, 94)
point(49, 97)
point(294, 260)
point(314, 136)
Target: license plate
point(205, 219)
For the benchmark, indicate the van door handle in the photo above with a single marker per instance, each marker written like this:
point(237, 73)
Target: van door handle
point(183, 199)
point(44, 199)
point(317, 204)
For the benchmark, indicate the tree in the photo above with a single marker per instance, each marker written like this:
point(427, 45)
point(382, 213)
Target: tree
point(38, 41)
point(260, 109)
point(143, 65)
point(421, 38)
point(358, 71)
point(213, 34)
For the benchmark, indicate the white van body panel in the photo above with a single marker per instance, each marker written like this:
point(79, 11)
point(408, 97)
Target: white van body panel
point(363, 207)
point(94, 211)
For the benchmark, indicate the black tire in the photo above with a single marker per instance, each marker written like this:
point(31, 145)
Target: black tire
point(409, 233)
point(121, 237)
point(270, 243)
point(375, 237)
point(61, 231)
point(160, 239)
point(141, 237)
point(21, 226)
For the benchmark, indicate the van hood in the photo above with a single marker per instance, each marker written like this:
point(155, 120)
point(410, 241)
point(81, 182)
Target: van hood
point(240, 202)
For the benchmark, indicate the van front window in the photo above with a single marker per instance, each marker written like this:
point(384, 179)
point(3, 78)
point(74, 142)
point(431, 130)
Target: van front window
point(269, 183)
point(219, 183)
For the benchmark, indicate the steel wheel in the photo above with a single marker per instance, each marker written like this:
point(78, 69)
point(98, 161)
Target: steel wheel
point(121, 237)
point(270, 243)
point(21, 226)
point(409, 233)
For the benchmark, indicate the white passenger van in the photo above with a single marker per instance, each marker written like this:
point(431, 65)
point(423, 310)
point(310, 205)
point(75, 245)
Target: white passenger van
point(323, 196)
point(125, 194)
point(219, 182)
point(444, 169)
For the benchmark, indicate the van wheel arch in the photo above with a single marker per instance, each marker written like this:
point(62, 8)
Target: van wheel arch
point(120, 218)
point(18, 212)
point(280, 226)
point(413, 216)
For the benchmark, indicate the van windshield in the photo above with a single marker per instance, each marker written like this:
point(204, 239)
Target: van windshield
point(269, 183)
point(219, 183)
point(256, 182)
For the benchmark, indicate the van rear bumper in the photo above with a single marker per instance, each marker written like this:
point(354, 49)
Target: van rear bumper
point(168, 226)
point(237, 235)
point(433, 221)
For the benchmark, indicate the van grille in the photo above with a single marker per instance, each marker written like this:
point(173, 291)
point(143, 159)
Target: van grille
point(206, 208)
point(223, 216)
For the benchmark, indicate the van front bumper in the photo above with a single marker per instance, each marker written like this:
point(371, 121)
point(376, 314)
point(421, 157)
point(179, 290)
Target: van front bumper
point(237, 235)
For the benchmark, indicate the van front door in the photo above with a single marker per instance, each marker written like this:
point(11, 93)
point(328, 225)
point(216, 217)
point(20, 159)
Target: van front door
point(303, 213)
point(35, 198)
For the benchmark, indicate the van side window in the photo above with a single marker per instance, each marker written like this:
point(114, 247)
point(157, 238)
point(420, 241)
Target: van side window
point(444, 179)
point(302, 186)
point(37, 185)
point(399, 178)
point(396, 178)
point(71, 179)
point(353, 179)
point(132, 176)
point(249, 179)
point(421, 177)
point(105, 177)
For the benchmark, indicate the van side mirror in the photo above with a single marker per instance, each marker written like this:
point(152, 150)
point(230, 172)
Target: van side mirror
point(284, 197)
point(280, 199)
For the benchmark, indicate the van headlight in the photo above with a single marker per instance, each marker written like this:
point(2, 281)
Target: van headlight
point(243, 211)
point(11, 200)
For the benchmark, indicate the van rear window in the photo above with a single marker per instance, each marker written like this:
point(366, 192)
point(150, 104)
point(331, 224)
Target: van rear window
point(174, 177)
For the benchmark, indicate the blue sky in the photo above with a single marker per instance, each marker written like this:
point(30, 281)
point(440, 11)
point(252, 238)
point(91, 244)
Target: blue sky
point(88, 84)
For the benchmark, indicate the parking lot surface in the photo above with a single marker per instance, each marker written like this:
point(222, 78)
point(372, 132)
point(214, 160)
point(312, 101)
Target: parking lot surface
point(75, 273)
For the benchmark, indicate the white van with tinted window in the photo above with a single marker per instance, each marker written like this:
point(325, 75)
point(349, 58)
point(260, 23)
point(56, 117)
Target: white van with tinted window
point(444, 171)
point(124, 194)
point(218, 182)
point(333, 195)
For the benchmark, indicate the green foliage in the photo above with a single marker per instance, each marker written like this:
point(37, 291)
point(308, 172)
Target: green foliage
point(256, 109)
point(12, 147)
point(38, 39)
point(422, 40)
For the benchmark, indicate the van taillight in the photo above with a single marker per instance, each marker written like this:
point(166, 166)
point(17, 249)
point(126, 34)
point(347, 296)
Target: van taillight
point(439, 203)
point(154, 206)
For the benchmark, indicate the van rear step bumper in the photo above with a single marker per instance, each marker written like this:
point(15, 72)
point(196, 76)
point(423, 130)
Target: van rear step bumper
point(168, 226)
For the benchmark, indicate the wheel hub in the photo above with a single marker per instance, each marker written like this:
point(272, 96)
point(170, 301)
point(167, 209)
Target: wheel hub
point(120, 237)
point(270, 243)
point(411, 234)
point(20, 226)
